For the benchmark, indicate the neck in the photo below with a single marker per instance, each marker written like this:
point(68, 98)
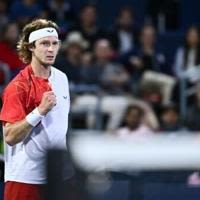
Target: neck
point(102, 61)
point(88, 28)
point(133, 127)
point(148, 49)
point(40, 70)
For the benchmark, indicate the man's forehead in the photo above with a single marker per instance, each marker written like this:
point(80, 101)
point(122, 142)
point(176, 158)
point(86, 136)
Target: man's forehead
point(49, 38)
point(41, 33)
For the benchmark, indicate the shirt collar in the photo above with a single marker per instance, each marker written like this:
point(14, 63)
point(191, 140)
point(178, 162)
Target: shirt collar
point(51, 77)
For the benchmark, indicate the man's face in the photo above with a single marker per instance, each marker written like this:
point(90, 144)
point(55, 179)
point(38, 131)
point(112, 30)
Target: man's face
point(45, 50)
point(103, 50)
point(126, 19)
point(134, 118)
point(148, 36)
point(88, 16)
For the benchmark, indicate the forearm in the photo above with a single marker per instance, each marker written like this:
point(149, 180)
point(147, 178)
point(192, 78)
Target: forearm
point(16, 132)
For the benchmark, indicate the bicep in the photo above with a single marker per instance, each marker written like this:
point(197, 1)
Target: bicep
point(13, 108)
point(16, 132)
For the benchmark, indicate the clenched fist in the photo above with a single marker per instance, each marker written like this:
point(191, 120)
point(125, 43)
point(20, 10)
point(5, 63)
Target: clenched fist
point(47, 103)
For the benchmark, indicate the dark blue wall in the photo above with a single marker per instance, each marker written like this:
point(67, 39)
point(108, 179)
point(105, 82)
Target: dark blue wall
point(189, 13)
point(189, 10)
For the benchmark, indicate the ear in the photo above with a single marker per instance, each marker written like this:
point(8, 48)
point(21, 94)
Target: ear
point(31, 48)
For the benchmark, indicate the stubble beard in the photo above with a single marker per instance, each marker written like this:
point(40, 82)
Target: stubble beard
point(45, 65)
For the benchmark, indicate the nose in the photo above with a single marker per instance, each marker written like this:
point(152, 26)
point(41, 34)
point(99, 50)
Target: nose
point(50, 48)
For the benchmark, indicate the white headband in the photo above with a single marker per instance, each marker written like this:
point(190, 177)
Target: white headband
point(44, 32)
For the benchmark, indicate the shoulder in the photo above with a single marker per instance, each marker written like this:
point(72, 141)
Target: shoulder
point(14, 89)
point(58, 72)
point(18, 84)
point(145, 129)
point(60, 77)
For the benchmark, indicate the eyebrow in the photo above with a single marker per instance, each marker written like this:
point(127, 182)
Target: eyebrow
point(46, 40)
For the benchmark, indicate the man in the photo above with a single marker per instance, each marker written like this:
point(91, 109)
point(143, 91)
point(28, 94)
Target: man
point(34, 112)
point(134, 125)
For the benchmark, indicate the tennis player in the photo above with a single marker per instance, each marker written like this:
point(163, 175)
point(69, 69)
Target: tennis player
point(34, 112)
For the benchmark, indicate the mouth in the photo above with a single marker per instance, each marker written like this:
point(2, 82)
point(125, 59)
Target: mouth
point(50, 57)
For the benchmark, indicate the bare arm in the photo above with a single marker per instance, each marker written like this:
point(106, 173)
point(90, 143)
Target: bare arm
point(16, 132)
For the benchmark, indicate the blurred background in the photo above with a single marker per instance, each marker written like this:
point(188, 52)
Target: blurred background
point(133, 68)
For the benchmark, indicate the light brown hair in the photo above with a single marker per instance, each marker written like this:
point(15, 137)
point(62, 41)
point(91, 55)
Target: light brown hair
point(23, 46)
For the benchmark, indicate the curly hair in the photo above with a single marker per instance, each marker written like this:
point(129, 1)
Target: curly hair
point(23, 46)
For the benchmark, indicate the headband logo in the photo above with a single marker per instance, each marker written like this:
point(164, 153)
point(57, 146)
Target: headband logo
point(43, 32)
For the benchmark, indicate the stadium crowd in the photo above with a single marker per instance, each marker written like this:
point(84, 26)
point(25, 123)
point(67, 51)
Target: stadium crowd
point(112, 69)
point(113, 66)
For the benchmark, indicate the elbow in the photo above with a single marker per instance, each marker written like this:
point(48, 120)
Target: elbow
point(10, 141)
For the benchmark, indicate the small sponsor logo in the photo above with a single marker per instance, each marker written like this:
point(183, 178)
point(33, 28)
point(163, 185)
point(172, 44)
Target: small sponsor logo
point(50, 31)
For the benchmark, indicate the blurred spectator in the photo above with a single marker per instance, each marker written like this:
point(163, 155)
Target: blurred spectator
point(70, 60)
point(109, 75)
point(187, 57)
point(134, 125)
point(194, 179)
point(170, 119)
point(193, 113)
point(156, 87)
point(62, 13)
point(87, 25)
point(146, 57)
point(3, 15)
point(124, 33)
point(151, 57)
point(146, 66)
point(151, 93)
point(24, 10)
point(8, 52)
point(114, 106)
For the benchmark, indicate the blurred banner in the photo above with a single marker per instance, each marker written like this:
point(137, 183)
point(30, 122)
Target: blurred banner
point(99, 152)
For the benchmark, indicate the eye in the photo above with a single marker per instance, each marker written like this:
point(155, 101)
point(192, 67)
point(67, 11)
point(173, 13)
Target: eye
point(56, 43)
point(48, 43)
point(45, 43)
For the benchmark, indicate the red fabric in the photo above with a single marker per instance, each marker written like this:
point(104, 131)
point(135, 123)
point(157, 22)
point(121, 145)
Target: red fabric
point(22, 95)
point(23, 191)
point(8, 55)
